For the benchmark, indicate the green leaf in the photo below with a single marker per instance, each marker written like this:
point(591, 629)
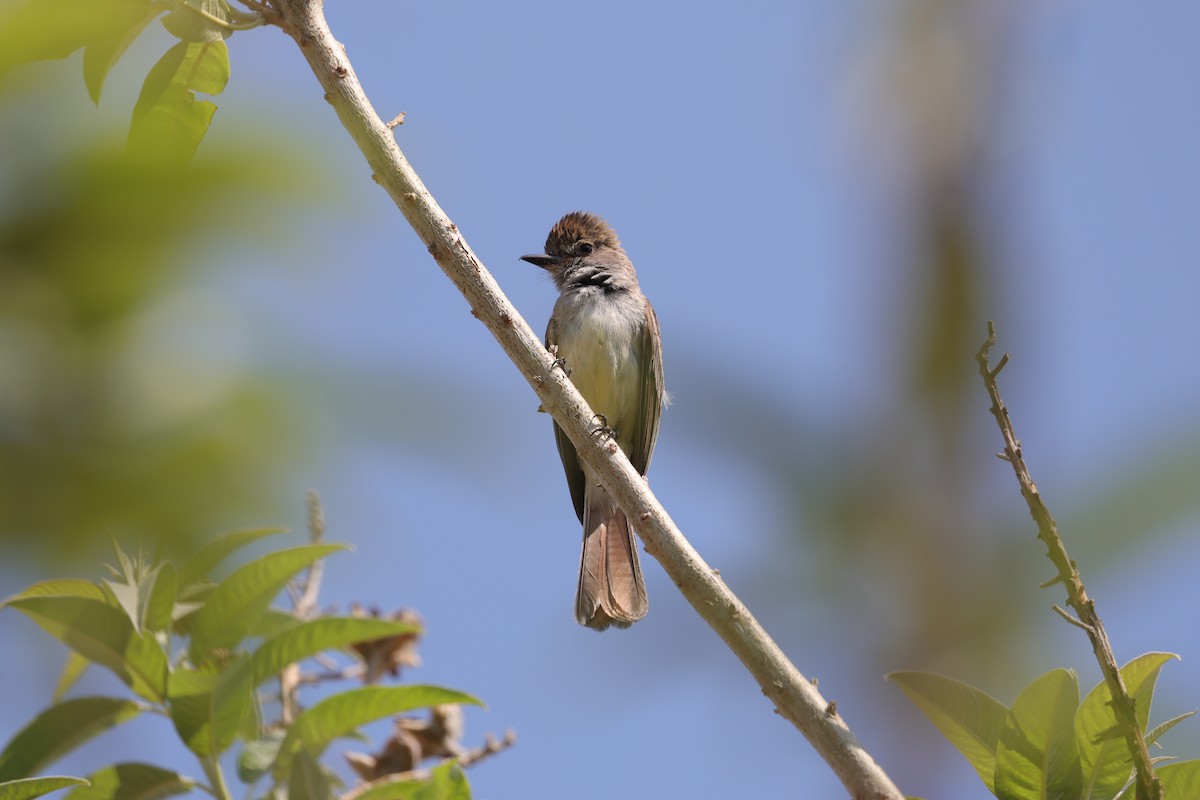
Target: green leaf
point(306, 779)
point(235, 606)
point(274, 621)
point(1156, 734)
point(447, 781)
point(191, 704)
point(168, 121)
point(28, 788)
point(132, 781)
point(73, 669)
point(60, 729)
point(340, 714)
point(101, 55)
point(308, 638)
point(62, 587)
point(158, 597)
point(187, 24)
point(970, 719)
point(208, 557)
point(125, 598)
point(1103, 754)
point(257, 756)
point(1181, 780)
point(102, 634)
point(189, 697)
point(49, 29)
point(1038, 756)
point(289, 646)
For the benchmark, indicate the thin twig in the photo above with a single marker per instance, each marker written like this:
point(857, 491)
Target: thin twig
point(794, 697)
point(304, 601)
point(352, 672)
point(1071, 620)
point(491, 746)
point(1148, 786)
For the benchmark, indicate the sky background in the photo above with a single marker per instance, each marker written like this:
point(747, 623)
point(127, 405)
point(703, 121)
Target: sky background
point(786, 178)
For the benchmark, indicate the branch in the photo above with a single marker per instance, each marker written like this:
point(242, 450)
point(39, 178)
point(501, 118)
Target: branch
point(304, 601)
point(1147, 783)
point(794, 697)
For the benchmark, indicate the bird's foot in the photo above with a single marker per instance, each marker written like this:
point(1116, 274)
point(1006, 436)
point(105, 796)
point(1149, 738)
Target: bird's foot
point(602, 429)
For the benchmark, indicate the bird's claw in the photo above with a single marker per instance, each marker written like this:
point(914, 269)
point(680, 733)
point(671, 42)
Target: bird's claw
point(602, 429)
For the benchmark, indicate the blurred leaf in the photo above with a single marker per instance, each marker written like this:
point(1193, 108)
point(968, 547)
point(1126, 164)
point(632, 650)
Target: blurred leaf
point(291, 645)
point(273, 622)
point(257, 756)
point(233, 608)
point(306, 780)
point(310, 637)
point(1103, 754)
point(117, 411)
point(159, 604)
point(184, 23)
point(60, 729)
point(60, 587)
point(133, 781)
point(104, 635)
point(1037, 755)
point(47, 29)
point(102, 54)
point(447, 781)
point(192, 711)
point(1181, 780)
point(147, 596)
point(168, 120)
point(340, 714)
point(124, 597)
point(28, 788)
point(189, 696)
point(73, 668)
point(214, 551)
point(970, 719)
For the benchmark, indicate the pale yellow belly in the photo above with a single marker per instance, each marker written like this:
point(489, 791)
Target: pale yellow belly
point(604, 364)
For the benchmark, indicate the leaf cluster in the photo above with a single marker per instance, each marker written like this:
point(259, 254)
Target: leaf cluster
point(1049, 744)
point(168, 120)
point(196, 651)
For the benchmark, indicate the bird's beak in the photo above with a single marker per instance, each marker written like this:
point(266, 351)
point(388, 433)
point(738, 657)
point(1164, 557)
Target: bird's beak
point(545, 262)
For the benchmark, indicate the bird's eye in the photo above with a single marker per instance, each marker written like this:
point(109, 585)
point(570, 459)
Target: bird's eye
point(584, 248)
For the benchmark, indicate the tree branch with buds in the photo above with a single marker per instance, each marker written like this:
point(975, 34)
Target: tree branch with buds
point(794, 696)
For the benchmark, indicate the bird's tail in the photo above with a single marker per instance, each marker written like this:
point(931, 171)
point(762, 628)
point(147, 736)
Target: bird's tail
point(611, 588)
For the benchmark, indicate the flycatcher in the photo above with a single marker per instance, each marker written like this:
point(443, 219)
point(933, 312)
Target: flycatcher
point(606, 332)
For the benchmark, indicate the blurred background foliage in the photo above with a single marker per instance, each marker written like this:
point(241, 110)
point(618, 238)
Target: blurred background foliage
point(829, 447)
point(129, 405)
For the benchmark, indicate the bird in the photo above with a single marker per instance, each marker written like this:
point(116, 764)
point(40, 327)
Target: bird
point(606, 334)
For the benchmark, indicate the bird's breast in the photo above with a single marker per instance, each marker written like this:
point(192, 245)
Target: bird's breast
point(600, 338)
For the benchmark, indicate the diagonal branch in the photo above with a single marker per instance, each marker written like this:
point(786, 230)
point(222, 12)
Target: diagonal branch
point(1148, 786)
point(793, 695)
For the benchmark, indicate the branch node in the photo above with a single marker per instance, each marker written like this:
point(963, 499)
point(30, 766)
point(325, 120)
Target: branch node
point(992, 373)
point(1073, 621)
point(1051, 582)
point(396, 122)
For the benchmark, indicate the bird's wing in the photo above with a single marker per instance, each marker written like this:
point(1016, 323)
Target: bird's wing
point(566, 450)
point(645, 433)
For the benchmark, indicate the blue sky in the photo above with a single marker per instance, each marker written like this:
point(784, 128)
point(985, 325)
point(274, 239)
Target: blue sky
point(758, 186)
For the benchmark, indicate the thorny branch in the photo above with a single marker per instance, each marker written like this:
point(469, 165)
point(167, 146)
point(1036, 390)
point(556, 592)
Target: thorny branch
point(1147, 784)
